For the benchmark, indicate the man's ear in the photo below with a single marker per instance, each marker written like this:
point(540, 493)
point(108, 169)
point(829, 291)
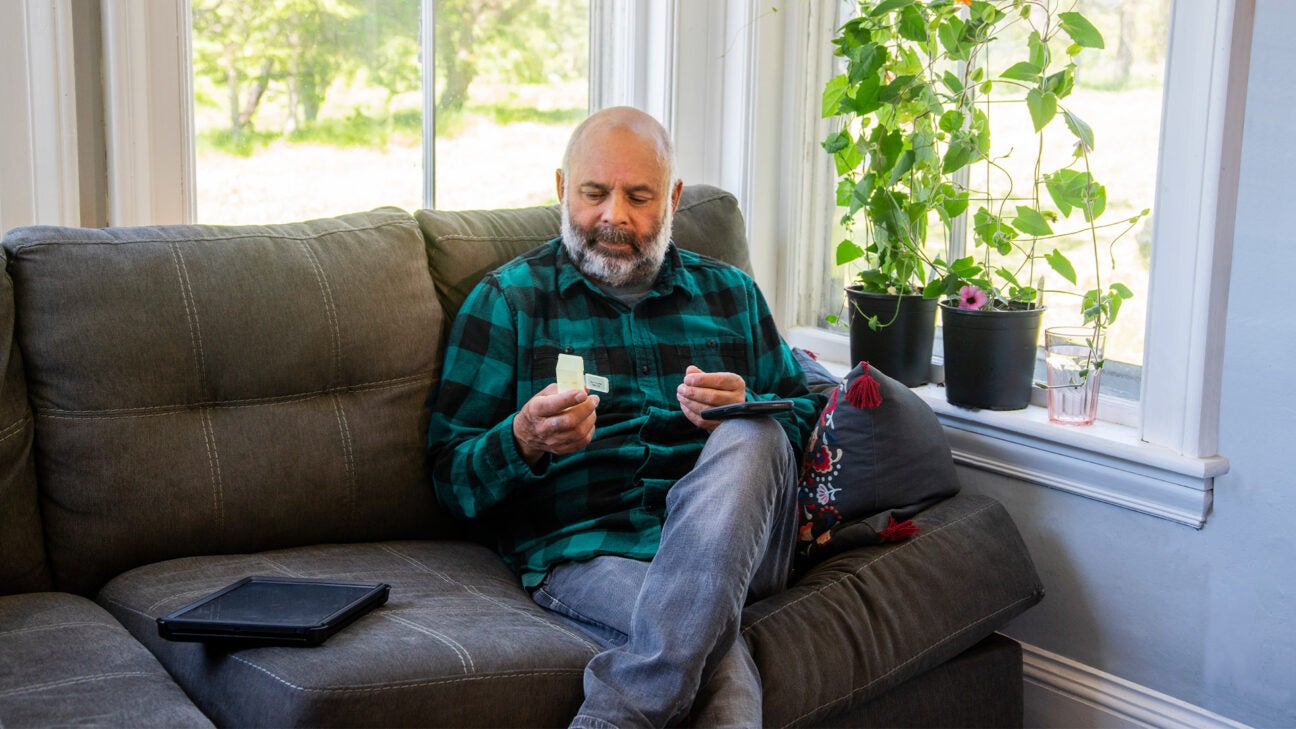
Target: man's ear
point(675, 194)
point(558, 176)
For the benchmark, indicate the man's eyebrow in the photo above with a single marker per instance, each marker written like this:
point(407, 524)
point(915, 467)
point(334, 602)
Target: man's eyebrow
point(632, 189)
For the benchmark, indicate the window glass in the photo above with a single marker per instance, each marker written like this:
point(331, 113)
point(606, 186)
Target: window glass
point(312, 108)
point(1118, 93)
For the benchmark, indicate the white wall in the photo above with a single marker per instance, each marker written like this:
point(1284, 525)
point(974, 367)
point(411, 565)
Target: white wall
point(1209, 616)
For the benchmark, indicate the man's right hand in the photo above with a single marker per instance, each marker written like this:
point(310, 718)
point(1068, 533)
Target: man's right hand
point(555, 422)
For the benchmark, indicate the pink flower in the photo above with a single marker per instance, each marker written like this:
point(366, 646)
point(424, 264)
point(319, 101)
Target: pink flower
point(971, 297)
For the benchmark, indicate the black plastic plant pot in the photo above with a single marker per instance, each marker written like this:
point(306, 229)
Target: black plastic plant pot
point(990, 356)
point(903, 348)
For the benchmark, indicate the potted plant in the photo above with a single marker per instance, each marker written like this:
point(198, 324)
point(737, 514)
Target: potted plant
point(903, 131)
point(928, 122)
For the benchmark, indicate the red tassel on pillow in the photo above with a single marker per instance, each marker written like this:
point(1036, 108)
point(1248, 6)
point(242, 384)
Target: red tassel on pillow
point(863, 392)
point(896, 531)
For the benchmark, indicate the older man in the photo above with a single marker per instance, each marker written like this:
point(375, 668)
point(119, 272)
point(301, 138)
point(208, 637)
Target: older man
point(628, 514)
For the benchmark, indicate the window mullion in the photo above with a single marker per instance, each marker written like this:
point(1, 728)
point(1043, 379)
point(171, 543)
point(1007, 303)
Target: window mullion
point(427, 52)
point(1196, 201)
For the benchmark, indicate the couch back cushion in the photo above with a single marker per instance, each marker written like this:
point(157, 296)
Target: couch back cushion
point(463, 246)
point(22, 551)
point(202, 389)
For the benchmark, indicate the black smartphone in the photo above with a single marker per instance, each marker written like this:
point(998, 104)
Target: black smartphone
point(747, 409)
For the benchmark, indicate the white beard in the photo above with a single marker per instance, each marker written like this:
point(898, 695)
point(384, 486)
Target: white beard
point(639, 267)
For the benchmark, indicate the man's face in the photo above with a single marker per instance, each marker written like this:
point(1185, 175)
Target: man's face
point(616, 209)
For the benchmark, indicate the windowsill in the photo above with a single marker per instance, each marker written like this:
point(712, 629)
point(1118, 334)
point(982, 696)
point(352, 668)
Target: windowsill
point(1105, 461)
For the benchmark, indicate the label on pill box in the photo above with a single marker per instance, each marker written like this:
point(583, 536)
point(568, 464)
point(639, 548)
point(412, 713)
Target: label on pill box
point(596, 383)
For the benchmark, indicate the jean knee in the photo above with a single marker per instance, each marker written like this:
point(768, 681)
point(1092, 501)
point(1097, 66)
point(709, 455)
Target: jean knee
point(763, 434)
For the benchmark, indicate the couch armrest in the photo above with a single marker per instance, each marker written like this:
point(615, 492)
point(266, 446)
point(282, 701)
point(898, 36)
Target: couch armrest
point(872, 618)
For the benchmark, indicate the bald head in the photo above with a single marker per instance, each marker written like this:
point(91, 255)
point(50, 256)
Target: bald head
point(619, 124)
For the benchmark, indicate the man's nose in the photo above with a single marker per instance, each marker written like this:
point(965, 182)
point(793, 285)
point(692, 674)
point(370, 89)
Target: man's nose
point(616, 210)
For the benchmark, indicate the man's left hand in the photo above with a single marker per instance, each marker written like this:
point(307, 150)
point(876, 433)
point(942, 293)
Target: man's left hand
point(701, 390)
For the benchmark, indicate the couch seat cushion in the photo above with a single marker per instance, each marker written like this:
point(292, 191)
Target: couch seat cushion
point(869, 619)
point(458, 643)
point(67, 662)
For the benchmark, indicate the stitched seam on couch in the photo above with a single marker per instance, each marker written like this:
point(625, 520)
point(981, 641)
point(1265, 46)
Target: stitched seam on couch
point(917, 656)
point(866, 565)
point(404, 222)
point(191, 317)
point(57, 626)
point(417, 378)
point(494, 601)
point(14, 428)
point(411, 684)
point(78, 680)
point(465, 658)
point(330, 308)
point(465, 237)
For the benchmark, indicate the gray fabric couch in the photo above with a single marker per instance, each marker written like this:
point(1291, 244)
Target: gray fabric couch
point(181, 406)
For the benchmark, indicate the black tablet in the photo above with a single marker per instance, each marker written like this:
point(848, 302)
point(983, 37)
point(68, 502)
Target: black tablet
point(283, 610)
point(749, 409)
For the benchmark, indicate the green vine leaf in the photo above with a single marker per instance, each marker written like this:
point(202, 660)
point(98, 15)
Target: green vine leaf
point(1039, 54)
point(1022, 71)
point(887, 6)
point(1062, 265)
point(1079, 128)
point(1081, 30)
point(836, 142)
point(951, 121)
point(866, 61)
point(1031, 222)
point(912, 25)
point(833, 93)
point(1043, 107)
point(848, 251)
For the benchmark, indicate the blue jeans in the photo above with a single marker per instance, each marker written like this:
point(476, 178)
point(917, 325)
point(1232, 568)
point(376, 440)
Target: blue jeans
point(670, 626)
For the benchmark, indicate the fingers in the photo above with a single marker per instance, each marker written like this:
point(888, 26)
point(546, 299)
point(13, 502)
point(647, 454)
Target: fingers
point(701, 390)
point(710, 389)
point(555, 422)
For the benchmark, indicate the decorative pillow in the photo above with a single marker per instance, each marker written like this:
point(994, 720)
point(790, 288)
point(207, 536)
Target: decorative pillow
point(877, 457)
point(818, 378)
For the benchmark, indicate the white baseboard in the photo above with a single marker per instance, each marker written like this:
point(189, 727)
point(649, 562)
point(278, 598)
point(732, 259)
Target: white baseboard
point(1060, 692)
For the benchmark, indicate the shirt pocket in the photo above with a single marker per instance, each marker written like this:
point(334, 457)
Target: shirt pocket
point(710, 354)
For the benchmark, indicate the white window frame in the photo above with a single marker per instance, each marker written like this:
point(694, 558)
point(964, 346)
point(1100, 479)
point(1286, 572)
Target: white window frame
point(695, 66)
point(38, 141)
point(148, 112)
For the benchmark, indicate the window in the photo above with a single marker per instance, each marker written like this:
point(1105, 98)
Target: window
point(733, 82)
point(1173, 419)
point(308, 109)
point(1118, 92)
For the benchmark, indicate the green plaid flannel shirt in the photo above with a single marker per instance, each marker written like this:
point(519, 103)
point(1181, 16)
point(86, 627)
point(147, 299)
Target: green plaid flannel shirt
point(608, 498)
